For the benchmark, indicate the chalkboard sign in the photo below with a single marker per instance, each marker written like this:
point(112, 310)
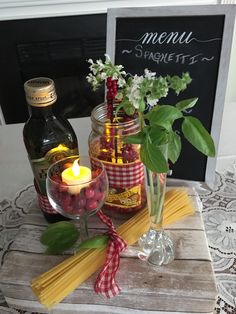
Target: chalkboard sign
point(173, 40)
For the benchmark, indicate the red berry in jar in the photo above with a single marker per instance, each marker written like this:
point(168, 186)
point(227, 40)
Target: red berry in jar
point(65, 201)
point(89, 193)
point(62, 187)
point(95, 185)
point(91, 204)
point(98, 195)
point(56, 179)
point(95, 173)
point(69, 209)
point(103, 183)
point(81, 202)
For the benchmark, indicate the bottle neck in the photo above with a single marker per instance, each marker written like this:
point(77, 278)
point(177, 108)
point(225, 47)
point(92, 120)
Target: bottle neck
point(41, 112)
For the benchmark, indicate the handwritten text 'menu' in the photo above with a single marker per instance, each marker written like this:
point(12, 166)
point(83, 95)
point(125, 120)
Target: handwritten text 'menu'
point(166, 38)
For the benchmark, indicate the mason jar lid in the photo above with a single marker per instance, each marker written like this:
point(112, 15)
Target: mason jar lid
point(40, 91)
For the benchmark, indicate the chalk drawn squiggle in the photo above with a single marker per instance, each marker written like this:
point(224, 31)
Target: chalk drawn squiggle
point(126, 51)
point(127, 39)
point(204, 41)
point(208, 59)
point(192, 39)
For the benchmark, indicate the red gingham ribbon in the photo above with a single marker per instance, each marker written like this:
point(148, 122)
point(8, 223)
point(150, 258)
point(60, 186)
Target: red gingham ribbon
point(162, 177)
point(105, 283)
point(124, 175)
point(44, 203)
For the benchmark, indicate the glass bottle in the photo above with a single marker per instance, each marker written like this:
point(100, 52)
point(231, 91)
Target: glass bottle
point(122, 161)
point(47, 138)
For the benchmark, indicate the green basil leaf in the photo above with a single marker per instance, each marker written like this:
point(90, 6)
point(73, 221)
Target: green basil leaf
point(138, 138)
point(164, 116)
point(198, 136)
point(120, 106)
point(186, 104)
point(153, 158)
point(59, 237)
point(158, 135)
point(129, 109)
point(95, 242)
point(142, 105)
point(149, 113)
point(174, 147)
point(177, 83)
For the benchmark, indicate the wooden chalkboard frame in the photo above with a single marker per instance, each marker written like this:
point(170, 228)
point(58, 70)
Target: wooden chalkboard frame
point(199, 10)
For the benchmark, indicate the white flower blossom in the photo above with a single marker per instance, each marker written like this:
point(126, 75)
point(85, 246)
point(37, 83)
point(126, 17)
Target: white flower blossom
point(149, 75)
point(108, 59)
point(137, 79)
point(119, 95)
point(133, 91)
point(94, 71)
point(115, 76)
point(103, 76)
point(90, 61)
point(119, 67)
point(121, 82)
point(100, 64)
point(152, 102)
point(89, 78)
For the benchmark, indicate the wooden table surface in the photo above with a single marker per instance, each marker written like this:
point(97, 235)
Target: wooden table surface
point(187, 285)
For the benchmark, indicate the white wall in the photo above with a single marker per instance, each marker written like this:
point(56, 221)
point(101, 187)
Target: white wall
point(17, 9)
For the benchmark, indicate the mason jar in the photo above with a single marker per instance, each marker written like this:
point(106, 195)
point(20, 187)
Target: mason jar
point(122, 160)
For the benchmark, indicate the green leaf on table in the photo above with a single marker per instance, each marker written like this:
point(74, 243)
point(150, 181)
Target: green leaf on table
point(198, 136)
point(186, 103)
point(95, 242)
point(174, 146)
point(153, 158)
point(59, 237)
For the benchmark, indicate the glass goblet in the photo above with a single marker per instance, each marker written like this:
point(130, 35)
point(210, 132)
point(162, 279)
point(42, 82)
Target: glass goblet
point(77, 196)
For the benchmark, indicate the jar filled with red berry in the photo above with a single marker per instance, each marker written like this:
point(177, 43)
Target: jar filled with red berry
point(122, 161)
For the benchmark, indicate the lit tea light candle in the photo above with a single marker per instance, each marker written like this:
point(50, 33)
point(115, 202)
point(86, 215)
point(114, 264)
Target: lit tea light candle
point(75, 176)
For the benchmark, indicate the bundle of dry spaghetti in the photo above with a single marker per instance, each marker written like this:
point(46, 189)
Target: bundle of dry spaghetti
point(54, 285)
point(177, 205)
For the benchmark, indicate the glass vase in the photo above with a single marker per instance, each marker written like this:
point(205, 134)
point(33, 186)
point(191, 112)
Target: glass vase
point(157, 247)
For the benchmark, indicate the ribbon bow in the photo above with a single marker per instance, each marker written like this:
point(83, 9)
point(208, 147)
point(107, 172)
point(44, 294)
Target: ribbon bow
point(105, 283)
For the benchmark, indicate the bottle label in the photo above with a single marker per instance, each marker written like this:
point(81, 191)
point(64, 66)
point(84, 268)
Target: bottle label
point(41, 165)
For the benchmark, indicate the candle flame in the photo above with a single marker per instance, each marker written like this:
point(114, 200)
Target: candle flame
point(76, 168)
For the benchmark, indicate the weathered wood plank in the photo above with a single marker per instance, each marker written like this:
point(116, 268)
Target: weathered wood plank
point(187, 243)
point(162, 288)
point(191, 222)
point(20, 268)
